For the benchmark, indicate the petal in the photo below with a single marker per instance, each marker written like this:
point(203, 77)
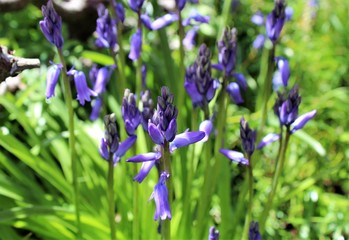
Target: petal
point(96, 109)
point(234, 92)
point(171, 130)
point(234, 156)
point(155, 134)
point(269, 138)
point(125, 145)
point(194, 15)
point(258, 18)
point(52, 79)
point(136, 45)
point(189, 39)
point(259, 41)
point(103, 149)
point(185, 139)
point(206, 127)
point(101, 80)
point(218, 66)
point(300, 122)
point(146, 21)
point(152, 156)
point(288, 13)
point(277, 81)
point(144, 171)
point(163, 21)
point(240, 78)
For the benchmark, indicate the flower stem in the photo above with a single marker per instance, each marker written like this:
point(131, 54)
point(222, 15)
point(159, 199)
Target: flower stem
point(165, 166)
point(136, 215)
point(268, 81)
point(68, 101)
point(181, 76)
point(250, 201)
point(279, 167)
point(111, 202)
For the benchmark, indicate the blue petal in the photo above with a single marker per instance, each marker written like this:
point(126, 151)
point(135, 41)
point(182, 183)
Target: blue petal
point(101, 80)
point(125, 145)
point(218, 66)
point(136, 45)
point(160, 196)
point(271, 137)
point(194, 15)
point(96, 109)
point(152, 156)
point(189, 39)
point(52, 79)
point(171, 130)
point(258, 18)
point(234, 156)
point(144, 171)
point(206, 127)
point(240, 78)
point(185, 139)
point(103, 149)
point(259, 41)
point(164, 21)
point(146, 21)
point(155, 134)
point(300, 122)
point(234, 92)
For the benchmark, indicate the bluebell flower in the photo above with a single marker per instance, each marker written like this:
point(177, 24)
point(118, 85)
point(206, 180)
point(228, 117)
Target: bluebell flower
point(162, 129)
point(259, 41)
point(189, 39)
point(96, 109)
point(213, 234)
point(258, 18)
point(199, 84)
point(52, 79)
point(101, 79)
point(136, 5)
point(180, 4)
point(248, 137)
point(234, 156)
point(136, 45)
point(130, 112)
point(148, 109)
point(84, 92)
point(253, 232)
point(160, 196)
point(276, 20)
point(110, 144)
point(195, 16)
point(106, 29)
point(286, 107)
point(51, 26)
point(120, 11)
point(226, 63)
point(282, 75)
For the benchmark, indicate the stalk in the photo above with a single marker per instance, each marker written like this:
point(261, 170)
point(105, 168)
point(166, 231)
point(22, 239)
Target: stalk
point(268, 81)
point(279, 167)
point(111, 202)
point(181, 76)
point(73, 159)
point(165, 165)
point(250, 201)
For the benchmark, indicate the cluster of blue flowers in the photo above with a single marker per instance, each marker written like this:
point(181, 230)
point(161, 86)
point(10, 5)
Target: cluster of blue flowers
point(161, 123)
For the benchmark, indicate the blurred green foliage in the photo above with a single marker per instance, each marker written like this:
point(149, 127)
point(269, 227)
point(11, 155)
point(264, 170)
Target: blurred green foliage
point(35, 176)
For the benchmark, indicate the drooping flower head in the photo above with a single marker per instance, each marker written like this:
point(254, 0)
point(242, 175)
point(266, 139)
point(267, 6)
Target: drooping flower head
point(282, 75)
point(52, 79)
point(120, 11)
point(84, 92)
point(51, 26)
point(148, 109)
point(106, 29)
point(213, 234)
point(110, 144)
point(163, 125)
point(286, 106)
point(199, 84)
point(100, 77)
point(160, 196)
point(248, 137)
point(130, 112)
point(275, 20)
point(253, 232)
point(136, 45)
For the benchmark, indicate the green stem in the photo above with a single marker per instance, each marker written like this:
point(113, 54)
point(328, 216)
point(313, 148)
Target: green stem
point(120, 83)
point(120, 61)
point(73, 158)
point(181, 77)
point(279, 167)
point(136, 216)
point(250, 201)
point(165, 166)
point(111, 202)
point(268, 81)
point(211, 175)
